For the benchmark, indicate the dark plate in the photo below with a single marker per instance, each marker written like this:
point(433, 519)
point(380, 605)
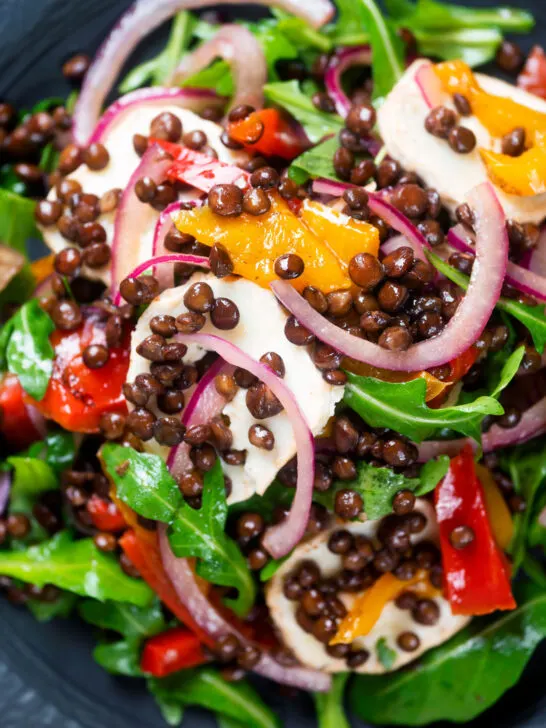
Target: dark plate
point(47, 675)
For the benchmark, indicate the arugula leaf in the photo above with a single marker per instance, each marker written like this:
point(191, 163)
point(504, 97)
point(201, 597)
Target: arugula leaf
point(315, 162)
point(532, 317)
point(131, 621)
point(58, 449)
point(432, 472)
point(225, 721)
point(402, 407)
point(119, 658)
point(17, 225)
point(347, 29)
point(271, 568)
point(385, 654)
point(276, 494)
point(31, 478)
point(76, 566)
point(62, 607)
point(300, 34)
point(329, 706)
point(435, 15)
point(157, 70)
point(473, 46)
point(492, 652)
point(387, 49)
point(145, 484)
point(28, 352)
point(316, 123)
point(207, 689)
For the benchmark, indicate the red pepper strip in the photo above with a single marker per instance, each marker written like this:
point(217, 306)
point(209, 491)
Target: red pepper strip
point(459, 368)
point(171, 651)
point(105, 515)
point(275, 136)
point(533, 76)
point(15, 423)
point(477, 577)
point(197, 169)
point(146, 558)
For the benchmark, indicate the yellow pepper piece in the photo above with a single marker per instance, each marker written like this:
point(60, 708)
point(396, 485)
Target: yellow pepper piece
point(255, 242)
point(342, 234)
point(499, 514)
point(367, 608)
point(524, 175)
point(435, 387)
point(42, 268)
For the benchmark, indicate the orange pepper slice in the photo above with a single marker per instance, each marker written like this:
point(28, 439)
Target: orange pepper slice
point(368, 607)
point(524, 175)
point(255, 242)
point(499, 514)
point(42, 268)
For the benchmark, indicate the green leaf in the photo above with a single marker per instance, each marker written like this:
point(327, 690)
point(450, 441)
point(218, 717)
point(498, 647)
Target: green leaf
point(432, 472)
point(300, 34)
point(532, 317)
point(402, 407)
point(225, 721)
point(473, 46)
point(17, 225)
point(434, 15)
point(173, 713)
point(57, 449)
point(217, 77)
point(329, 706)
point(31, 476)
point(76, 566)
point(276, 495)
point(49, 158)
point(201, 533)
point(143, 482)
point(316, 123)
point(29, 353)
point(207, 689)
point(271, 568)
point(348, 28)
point(387, 49)
point(315, 162)
point(129, 620)
point(62, 607)
point(119, 658)
point(461, 678)
point(385, 655)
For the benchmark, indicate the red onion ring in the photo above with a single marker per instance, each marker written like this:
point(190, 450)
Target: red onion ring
point(240, 49)
point(430, 85)
point(537, 262)
point(279, 540)
point(399, 241)
point(205, 403)
point(140, 20)
point(518, 277)
point(532, 424)
point(44, 287)
point(132, 213)
point(164, 273)
point(209, 620)
point(195, 99)
point(5, 490)
point(460, 332)
point(170, 258)
point(339, 63)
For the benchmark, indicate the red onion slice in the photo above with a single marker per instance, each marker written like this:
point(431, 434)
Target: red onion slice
point(133, 215)
point(203, 172)
point(339, 63)
point(430, 85)
point(5, 490)
point(214, 624)
point(162, 259)
point(195, 99)
point(44, 287)
point(164, 273)
point(279, 540)
point(537, 262)
point(518, 277)
point(240, 49)
point(205, 403)
point(532, 424)
point(140, 20)
point(460, 332)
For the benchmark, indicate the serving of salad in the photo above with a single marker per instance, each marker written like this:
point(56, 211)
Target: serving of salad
point(275, 403)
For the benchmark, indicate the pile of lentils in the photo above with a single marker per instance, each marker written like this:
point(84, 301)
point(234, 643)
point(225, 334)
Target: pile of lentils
point(363, 560)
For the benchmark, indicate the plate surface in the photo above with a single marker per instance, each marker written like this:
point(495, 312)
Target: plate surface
point(47, 675)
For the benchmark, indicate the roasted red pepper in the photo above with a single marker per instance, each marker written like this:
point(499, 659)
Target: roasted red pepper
point(16, 424)
point(267, 132)
point(171, 651)
point(533, 76)
point(476, 576)
point(105, 515)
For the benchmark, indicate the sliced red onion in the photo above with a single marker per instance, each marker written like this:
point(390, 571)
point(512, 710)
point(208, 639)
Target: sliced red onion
point(195, 99)
point(518, 277)
point(44, 287)
point(164, 273)
point(132, 214)
point(430, 85)
point(11, 263)
point(279, 540)
point(215, 625)
point(400, 241)
point(532, 424)
point(460, 332)
point(339, 63)
point(241, 50)
point(160, 259)
point(198, 170)
point(5, 490)
point(37, 419)
point(330, 187)
point(537, 262)
point(205, 403)
point(140, 20)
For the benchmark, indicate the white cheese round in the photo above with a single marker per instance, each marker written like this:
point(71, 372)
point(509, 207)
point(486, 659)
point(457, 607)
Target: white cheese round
point(392, 622)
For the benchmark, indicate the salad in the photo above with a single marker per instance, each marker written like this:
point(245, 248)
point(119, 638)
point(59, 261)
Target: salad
point(275, 403)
